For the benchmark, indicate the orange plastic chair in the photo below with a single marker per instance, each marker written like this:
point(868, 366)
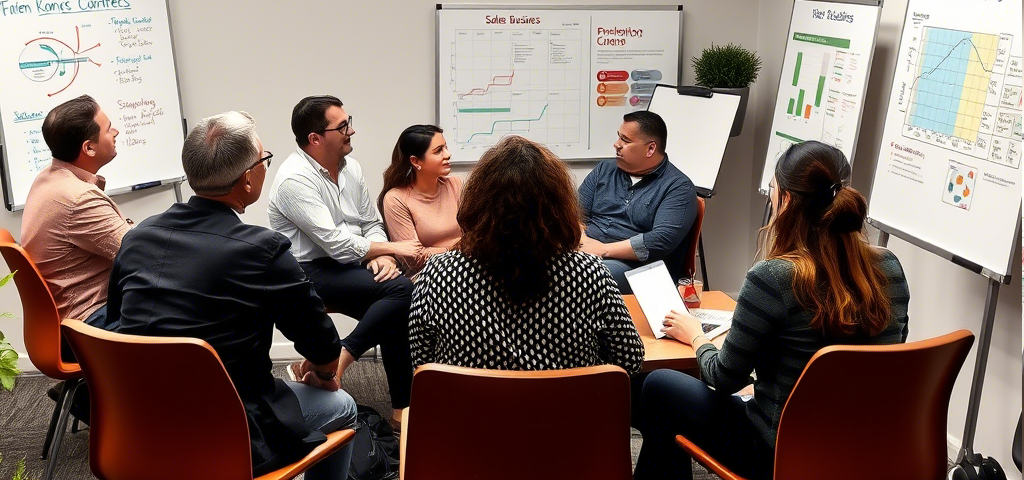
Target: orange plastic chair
point(862, 412)
point(165, 408)
point(467, 423)
point(42, 341)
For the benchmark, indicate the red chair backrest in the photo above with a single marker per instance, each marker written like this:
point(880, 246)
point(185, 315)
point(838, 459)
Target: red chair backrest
point(161, 408)
point(691, 241)
point(41, 320)
point(471, 423)
point(875, 411)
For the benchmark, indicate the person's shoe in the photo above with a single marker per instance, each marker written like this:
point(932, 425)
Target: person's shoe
point(54, 391)
point(396, 426)
point(293, 371)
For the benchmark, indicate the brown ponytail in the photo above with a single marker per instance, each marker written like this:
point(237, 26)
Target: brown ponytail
point(819, 229)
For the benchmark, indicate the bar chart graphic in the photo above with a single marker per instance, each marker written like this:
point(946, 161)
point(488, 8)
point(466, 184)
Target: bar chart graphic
point(808, 83)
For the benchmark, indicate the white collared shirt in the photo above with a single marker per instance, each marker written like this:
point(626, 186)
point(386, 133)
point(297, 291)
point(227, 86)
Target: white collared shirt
point(321, 218)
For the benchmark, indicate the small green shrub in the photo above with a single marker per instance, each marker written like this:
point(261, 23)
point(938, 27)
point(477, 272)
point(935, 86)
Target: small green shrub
point(729, 66)
point(8, 356)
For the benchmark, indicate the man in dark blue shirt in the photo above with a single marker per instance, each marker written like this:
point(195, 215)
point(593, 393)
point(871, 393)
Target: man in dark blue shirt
point(638, 208)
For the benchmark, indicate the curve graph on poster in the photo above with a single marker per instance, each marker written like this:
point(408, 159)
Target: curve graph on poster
point(117, 51)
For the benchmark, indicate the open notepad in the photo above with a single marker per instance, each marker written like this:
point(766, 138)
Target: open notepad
point(658, 295)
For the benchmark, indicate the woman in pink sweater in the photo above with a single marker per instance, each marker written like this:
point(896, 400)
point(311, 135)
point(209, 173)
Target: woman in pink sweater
point(419, 200)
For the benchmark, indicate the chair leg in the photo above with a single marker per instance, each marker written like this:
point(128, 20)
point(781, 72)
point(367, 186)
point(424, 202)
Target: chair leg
point(62, 425)
point(74, 426)
point(703, 266)
point(53, 419)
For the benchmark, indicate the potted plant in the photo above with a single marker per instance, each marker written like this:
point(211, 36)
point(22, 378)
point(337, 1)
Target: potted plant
point(8, 356)
point(728, 69)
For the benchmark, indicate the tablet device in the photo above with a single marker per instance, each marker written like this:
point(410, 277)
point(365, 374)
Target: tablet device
point(658, 295)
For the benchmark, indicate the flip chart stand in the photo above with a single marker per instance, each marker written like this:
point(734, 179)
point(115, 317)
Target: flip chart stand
point(968, 462)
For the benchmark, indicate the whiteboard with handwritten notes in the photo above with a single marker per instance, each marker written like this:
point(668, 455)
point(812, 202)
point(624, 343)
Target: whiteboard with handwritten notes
point(117, 51)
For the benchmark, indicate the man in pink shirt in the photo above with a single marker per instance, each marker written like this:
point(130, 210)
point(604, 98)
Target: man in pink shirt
point(71, 229)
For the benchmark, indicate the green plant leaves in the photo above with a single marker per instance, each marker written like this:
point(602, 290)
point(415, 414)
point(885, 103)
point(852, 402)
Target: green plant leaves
point(3, 281)
point(8, 364)
point(729, 66)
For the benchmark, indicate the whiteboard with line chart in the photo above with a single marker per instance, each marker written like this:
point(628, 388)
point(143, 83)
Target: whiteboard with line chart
point(560, 76)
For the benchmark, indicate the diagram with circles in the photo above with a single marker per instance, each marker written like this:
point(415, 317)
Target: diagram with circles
point(51, 60)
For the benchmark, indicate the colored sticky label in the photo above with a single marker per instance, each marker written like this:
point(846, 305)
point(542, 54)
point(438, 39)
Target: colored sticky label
point(652, 75)
point(640, 100)
point(640, 88)
point(612, 76)
point(604, 101)
point(617, 88)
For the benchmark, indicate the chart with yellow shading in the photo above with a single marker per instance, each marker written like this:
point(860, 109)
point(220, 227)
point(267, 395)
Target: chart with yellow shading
point(956, 89)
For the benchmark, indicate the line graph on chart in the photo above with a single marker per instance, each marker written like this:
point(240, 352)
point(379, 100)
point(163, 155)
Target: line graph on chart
point(957, 96)
point(517, 82)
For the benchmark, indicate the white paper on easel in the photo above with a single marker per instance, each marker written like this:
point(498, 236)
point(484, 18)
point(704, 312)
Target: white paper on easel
point(698, 131)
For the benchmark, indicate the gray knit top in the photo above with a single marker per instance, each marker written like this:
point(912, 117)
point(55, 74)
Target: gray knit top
point(771, 336)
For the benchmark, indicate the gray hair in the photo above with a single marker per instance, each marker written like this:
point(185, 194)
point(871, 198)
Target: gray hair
point(218, 150)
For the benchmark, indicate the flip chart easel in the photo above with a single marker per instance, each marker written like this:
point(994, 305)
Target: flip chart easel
point(699, 123)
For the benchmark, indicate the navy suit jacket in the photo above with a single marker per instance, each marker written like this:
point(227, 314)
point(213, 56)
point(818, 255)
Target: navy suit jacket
point(197, 270)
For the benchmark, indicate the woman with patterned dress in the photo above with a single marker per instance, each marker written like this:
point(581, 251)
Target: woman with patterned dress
point(514, 293)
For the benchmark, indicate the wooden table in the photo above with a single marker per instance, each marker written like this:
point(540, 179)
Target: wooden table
point(666, 352)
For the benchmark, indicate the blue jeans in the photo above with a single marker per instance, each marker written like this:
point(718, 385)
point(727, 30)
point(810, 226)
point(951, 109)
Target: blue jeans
point(327, 412)
point(677, 404)
point(619, 269)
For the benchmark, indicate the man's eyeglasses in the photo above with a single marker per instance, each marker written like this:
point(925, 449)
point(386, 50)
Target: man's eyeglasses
point(265, 158)
point(343, 128)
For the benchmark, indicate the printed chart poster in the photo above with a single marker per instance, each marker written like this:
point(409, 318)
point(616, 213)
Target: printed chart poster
point(948, 170)
point(560, 78)
point(118, 52)
point(824, 78)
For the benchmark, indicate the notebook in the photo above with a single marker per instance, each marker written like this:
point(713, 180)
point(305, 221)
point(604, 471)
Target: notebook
point(658, 295)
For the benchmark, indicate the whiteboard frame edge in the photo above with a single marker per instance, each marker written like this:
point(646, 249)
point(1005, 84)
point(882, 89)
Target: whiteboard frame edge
point(1003, 278)
point(526, 6)
point(888, 100)
point(871, 57)
point(177, 78)
point(477, 6)
point(6, 178)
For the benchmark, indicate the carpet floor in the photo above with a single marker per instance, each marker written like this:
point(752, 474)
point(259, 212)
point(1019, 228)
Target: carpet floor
point(25, 413)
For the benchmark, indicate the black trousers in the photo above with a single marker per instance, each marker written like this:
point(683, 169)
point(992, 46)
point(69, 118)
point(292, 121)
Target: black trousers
point(674, 403)
point(382, 310)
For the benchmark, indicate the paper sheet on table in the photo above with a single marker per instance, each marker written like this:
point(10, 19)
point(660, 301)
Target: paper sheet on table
point(658, 295)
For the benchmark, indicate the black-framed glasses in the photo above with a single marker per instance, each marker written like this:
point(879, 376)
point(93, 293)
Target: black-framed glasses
point(265, 158)
point(343, 128)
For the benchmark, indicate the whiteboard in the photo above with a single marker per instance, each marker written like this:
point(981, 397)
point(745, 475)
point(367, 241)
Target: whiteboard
point(117, 51)
point(948, 174)
point(824, 78)
point(698, 132)
point(562, 76)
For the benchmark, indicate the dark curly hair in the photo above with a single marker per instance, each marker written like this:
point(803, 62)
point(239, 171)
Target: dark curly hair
point(519, 211)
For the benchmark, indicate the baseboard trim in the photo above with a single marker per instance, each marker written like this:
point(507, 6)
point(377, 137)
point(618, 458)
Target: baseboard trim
point(952, 447)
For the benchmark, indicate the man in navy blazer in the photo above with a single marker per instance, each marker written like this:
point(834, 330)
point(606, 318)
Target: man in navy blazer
point(197, 270)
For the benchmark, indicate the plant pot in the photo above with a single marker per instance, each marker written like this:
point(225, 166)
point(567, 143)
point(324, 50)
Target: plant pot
point(737, 123)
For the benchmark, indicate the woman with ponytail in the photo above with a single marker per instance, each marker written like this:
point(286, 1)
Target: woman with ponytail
point(820, 284)
point(419, 200)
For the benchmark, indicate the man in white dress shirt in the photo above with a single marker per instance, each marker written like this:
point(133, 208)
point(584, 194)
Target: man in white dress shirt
point(320, 202)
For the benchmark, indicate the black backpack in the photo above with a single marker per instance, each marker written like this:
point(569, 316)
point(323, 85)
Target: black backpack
point(375, 447)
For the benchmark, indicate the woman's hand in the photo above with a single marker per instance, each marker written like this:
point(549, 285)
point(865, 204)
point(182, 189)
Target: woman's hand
point(682, 326)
